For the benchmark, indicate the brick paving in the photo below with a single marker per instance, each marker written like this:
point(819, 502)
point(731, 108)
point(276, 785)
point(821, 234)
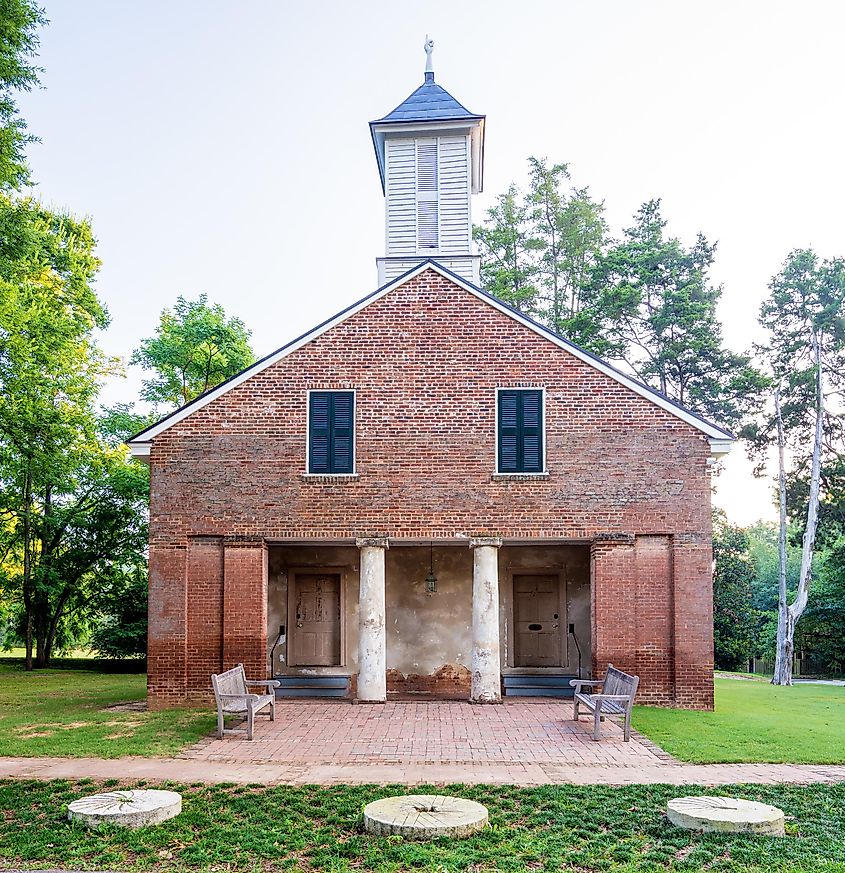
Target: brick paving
point(441, 732)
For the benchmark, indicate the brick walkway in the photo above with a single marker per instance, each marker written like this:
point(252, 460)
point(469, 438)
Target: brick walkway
point(442, 732)
point(517, 743)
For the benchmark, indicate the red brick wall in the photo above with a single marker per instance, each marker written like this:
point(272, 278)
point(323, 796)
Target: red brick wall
point(653, 610)
point(205, 614)
point(425, 361)
point(167, 641)
point(245, 607)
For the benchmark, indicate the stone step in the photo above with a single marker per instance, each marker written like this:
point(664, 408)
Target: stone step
point(540, 685)
point(312, 686)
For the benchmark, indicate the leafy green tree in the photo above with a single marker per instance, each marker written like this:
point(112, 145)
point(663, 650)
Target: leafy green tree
point(733, 613)
point(652, 308)
point(121, 630)
point(538, 248)
point(804, 317)
point(19, 23)
point(50, 370)
point(507, 248)
point(195, 348)
point(570, 233)
point(116, 424)
point(821, 632)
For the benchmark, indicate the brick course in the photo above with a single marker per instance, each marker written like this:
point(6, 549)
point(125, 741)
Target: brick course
point(425, 361)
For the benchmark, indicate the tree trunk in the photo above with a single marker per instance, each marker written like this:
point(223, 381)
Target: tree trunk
point(53, 625)
point(42, 594)
point(41, 619)
point(783, 652)
point(796, 609)
point(27, 561)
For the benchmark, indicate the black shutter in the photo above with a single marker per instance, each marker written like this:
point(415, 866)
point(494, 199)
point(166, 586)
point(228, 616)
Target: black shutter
point(343, 423)
point(331, 432)
point(520, 431)
point(508, 431)
point(319, 432)
point(532, 431)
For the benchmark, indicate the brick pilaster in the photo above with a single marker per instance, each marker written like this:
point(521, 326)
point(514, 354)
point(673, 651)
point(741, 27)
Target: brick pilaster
point(612, 602)
point(693, 618)
point(245, 606)
point(168, 631)
point(205, 613)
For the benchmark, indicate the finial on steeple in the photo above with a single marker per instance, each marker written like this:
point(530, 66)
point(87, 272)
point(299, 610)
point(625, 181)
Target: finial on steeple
point(429, 64)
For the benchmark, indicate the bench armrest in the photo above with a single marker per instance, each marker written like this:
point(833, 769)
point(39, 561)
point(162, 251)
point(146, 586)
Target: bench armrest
point(268, 683)
point(577, 683)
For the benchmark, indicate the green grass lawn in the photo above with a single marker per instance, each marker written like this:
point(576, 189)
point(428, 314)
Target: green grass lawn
point(20, 652)
point(64, 712)
point(571, 828)
point(754, 721)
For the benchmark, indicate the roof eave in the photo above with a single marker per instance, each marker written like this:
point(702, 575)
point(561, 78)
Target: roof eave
point(378, 143)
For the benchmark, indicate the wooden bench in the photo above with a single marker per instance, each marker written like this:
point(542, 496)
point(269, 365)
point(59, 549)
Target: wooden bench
point(233, 698)
point(616, 698)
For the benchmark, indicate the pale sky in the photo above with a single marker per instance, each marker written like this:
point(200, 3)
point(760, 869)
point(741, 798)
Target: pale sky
point(223, 146)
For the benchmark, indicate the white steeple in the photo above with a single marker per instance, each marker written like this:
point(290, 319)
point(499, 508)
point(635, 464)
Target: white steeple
point(430, 153)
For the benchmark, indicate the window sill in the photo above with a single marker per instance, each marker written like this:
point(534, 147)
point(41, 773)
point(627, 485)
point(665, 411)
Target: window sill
point(518, 477)
point(329, 478)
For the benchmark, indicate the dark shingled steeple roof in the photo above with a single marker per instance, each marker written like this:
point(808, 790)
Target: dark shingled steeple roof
point(429, 102)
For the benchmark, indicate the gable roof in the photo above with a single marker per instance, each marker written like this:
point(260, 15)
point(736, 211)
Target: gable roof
point(720, 438)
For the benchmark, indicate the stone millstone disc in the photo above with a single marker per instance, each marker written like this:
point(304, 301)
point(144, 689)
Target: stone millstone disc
point(726, 815)
point(424, 816)
point(133, 809)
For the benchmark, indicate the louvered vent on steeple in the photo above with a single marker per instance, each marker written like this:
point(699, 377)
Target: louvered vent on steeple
point(428, 203)
point(430, 152)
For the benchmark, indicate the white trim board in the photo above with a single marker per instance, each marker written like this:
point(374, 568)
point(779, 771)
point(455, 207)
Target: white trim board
point(720, 439)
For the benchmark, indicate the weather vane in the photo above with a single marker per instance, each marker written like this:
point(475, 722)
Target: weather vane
point(429, 48)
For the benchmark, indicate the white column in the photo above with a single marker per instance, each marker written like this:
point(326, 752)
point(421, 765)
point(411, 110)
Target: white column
point(486, 669)
point(372, 667)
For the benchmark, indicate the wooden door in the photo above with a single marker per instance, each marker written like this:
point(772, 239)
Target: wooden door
point(315, 623)
point(539, 621)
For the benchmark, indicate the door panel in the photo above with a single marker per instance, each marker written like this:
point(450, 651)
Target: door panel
point(539, 621)
point(315, 624)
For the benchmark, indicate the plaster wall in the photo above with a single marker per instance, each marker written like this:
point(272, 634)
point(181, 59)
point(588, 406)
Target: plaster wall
point(426, 633)
point(573, 563)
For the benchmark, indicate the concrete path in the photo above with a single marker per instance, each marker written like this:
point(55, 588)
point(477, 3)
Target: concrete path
point(502, 773)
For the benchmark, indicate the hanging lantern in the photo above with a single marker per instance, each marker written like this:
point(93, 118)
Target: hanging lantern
point(431, 579)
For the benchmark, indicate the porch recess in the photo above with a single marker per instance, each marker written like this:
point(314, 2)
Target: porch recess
point(360, 619)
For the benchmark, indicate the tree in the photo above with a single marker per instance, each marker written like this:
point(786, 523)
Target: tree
point(196, 347)
point(121, 630)
point(50, 368)
point(733, 613)
point(19, 22)
point(538, 248)
point(570, 233)
point(651, 308)
point(822, 627)
point(508, 265)
point(805, 321)
point(72, 504)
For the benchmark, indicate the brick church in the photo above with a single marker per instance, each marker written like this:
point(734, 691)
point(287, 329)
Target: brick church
point(430, 494)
